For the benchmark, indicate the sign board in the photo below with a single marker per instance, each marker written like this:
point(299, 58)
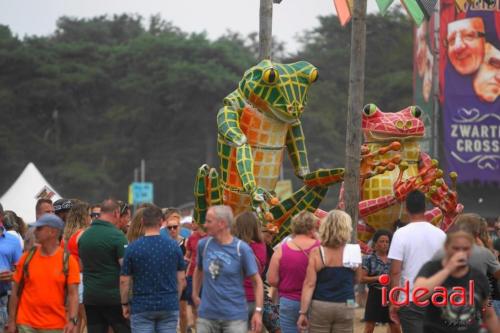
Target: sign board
point(470, 90)
point(140, 193)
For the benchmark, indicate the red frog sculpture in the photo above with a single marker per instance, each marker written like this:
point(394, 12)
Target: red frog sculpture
point(392, 165)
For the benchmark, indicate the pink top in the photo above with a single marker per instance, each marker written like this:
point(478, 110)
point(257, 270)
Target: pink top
point(260, 252)
point(292, 271)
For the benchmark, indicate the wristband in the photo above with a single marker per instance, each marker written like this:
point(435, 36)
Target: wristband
point(258, 309)
point(124, 304)
point(302, 312)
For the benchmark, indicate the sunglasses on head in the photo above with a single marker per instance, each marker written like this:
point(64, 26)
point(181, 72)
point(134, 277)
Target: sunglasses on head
point(123, 207)
point(172, 227)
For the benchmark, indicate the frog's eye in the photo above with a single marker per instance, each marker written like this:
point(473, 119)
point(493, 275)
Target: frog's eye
point(313, 76)
point(416, 111)
point(369, 110)
point(270, 76)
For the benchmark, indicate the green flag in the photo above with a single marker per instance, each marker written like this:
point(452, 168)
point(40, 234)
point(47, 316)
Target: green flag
point(413, 8)
point(383, 5)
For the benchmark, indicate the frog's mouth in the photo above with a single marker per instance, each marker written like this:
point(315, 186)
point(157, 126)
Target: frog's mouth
point(283, 115)
point(279, 114)
point(372, 136)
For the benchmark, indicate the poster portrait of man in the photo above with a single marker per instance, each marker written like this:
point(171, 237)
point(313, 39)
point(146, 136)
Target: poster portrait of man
point(487, 80)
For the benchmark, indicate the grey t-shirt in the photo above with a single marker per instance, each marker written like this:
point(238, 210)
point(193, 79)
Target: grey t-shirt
point(481, 259)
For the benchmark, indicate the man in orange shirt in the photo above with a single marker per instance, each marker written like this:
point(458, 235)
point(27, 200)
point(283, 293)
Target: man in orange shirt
point(47, 280)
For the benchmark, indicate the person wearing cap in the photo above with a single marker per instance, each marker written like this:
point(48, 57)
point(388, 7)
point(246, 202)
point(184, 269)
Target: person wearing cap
point(39, 305)
point(10, 252)
point(62, 207)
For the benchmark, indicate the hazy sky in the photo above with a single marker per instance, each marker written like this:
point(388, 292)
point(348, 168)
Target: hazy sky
point(38, 17)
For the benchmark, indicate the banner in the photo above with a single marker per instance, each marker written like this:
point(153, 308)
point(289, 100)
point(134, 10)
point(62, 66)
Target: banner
point(422, 77)
point(470, 88)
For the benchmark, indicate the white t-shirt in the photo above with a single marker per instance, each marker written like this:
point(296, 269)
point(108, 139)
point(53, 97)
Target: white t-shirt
point(414, 245)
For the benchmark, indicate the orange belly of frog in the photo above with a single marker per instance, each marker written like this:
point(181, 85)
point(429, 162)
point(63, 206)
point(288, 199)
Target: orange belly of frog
point(383, 184)
point(266, 137)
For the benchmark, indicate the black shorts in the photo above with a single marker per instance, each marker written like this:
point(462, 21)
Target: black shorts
point(188, 290)
point(100, 317)
point(374, 310)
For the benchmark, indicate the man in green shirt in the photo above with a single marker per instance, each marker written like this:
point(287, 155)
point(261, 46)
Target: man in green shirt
point(101, 249)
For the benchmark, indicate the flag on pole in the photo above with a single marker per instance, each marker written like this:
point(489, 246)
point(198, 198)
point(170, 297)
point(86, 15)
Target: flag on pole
point(413, 8)
point(343, 11)
point(383, 5)
point(427, 7)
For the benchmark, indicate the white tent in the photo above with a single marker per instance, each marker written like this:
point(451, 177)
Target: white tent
point(21, 197)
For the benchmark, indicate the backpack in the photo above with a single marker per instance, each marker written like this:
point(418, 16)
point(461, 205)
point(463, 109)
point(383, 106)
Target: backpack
point(25, 273)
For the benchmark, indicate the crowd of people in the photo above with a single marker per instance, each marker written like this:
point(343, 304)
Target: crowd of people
point(103, 268)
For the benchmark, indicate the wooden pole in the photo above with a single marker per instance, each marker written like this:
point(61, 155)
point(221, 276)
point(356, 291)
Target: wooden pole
point(435, 84)
point(354, 109)
point(265, 29)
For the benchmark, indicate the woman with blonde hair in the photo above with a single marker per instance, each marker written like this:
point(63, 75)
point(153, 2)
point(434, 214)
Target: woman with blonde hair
point(77, 221)
point(136, 228)
point(287, 269)
point(329, 283)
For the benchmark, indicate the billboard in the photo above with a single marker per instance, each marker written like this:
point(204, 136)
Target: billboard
point(470, 88)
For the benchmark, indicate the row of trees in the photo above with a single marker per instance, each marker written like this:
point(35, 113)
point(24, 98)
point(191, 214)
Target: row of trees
point(88, 102)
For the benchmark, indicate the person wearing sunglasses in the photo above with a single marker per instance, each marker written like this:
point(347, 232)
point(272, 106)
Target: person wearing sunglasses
point(172, 225)
point(95, 212)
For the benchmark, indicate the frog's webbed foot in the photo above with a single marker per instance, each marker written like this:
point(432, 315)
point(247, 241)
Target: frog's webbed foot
point(371, 167)
point(262, 202)
point(207, 192)
point(446, 199)
point(426, 176)
point(324, 177)
point(306, 198)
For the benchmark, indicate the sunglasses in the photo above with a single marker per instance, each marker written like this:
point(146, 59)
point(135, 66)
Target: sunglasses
point(94, 215)
point(172, 227)
point(123, 207)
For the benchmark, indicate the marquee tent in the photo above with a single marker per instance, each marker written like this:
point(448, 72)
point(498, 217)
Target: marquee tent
point(21, 197)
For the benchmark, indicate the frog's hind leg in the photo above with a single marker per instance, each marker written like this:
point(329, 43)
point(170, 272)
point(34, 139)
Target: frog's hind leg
point(306, 198)
point(207, 192)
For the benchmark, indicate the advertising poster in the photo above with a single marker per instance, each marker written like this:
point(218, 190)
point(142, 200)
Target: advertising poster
point(470, 89)
point(423, 62)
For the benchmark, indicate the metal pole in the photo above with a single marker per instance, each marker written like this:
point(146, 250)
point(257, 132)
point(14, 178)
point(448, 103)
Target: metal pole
point(143, 170)
point(136, 174)
point(265, 29)
point(435, 85)
point(354, 109)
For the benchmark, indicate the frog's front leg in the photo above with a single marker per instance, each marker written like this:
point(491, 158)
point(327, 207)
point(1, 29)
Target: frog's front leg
point(228, 124)
point(443, 197)
point(371, 167)
point(296, 147)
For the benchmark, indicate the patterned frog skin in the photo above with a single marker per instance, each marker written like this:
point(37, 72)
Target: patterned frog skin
point(393, 139)
point(259, 121)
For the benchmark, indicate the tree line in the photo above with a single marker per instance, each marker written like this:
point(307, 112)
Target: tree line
point(88, 102)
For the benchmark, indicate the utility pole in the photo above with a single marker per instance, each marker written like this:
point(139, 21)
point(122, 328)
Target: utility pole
point(143, 171)
point(354, 110)
point(435, 85)
point(265, 29)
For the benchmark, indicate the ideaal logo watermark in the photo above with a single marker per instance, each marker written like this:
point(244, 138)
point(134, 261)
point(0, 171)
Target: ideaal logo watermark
point(456, 304)
point(441, 296)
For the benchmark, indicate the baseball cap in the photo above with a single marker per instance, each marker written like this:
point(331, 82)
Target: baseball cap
point(62, 205)
point(49, 220)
